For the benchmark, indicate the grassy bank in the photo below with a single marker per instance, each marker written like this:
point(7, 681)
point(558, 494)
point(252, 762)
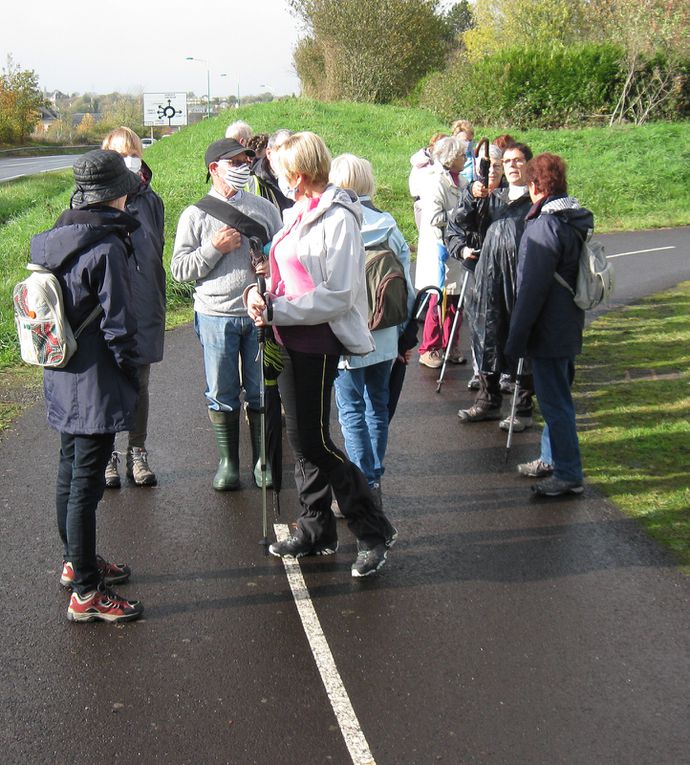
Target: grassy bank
point(634, 384)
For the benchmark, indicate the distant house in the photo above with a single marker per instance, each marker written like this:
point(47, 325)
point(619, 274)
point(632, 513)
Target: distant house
point(45, 120)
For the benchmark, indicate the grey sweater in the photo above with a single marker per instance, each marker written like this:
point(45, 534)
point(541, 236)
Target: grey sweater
point(221, 278)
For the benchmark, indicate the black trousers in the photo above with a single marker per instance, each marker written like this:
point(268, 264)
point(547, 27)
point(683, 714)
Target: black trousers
point(80, 486)
point(306, 384)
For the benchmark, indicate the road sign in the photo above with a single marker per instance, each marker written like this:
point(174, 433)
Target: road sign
point(165, 109)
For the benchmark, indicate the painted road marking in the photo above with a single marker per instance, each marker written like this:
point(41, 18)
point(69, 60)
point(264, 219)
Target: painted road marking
point(640, 252)
point(337, 695)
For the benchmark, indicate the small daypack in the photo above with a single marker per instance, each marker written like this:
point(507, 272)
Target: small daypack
point(45, 336)
point(595, 275)
point(386, 288)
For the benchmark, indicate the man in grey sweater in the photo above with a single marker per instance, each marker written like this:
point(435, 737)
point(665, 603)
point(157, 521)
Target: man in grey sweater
point(212, 248)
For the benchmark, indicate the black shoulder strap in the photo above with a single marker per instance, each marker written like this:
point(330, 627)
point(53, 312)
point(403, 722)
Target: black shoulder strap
point(231, 216)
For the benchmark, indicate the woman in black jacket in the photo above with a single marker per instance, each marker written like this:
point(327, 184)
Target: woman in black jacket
point(546, 325)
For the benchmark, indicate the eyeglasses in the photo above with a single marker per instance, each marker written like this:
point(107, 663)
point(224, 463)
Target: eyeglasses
point(514, 161)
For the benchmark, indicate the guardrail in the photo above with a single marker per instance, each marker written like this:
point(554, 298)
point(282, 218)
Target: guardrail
point(32, 150)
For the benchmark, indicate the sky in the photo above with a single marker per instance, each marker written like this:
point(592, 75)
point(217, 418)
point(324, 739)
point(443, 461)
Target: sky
point(141, 47)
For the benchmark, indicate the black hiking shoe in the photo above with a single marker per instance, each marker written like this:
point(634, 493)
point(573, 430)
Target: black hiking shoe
point(369, 560)
point(298, 547)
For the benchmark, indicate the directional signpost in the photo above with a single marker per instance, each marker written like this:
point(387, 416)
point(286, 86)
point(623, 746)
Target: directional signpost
point(165, 109)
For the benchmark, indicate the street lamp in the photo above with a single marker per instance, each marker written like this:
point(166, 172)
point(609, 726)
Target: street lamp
point(237, 104)
point(208, 82)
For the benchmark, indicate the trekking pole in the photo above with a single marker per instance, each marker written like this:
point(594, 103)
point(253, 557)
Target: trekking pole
point(261, 336)
point(513, 407)
point(456, 319)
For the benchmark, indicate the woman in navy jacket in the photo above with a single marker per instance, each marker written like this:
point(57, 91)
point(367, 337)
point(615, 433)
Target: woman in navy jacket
point(546, 325)
point(95, 394)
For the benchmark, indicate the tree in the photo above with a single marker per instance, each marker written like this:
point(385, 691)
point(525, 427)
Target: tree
point(85, 129)
point(20, 100)
point(402, 41)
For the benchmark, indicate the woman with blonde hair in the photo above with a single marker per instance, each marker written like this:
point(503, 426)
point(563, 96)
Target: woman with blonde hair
point(148, 295)
point(317, 305)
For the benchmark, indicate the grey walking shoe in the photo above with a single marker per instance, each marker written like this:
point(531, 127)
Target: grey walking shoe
point(535, 469)
point(369, 561)
point(138, 469)
point(112, 474)
point(473, 383)
point(520, 422)
point(555, 487)
point(477, 413)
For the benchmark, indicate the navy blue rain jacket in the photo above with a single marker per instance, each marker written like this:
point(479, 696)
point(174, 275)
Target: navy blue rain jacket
point(148, 273)
point(88, 250)
point(545, 322)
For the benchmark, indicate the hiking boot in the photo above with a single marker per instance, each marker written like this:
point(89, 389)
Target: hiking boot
point(455, 357)
point(555, 487)
point(431, 359)
point(298, 547)
point(138, 469)
point(473, 384)
point(392, 538)
point(477, 413)
point(520, 422)
point(103, 605)
point(111, 573)
point(535, 469)
point(506, 385)
point(369, 561)
point(112, 475)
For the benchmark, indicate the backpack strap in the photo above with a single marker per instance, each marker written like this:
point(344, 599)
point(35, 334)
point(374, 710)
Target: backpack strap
point(231, 216)
point(583, 240)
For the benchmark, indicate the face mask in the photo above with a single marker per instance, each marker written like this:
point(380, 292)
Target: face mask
point(133, 164)
point(288, 191)
point(236, 177)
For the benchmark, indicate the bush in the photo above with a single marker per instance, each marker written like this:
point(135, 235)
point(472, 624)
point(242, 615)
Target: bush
point(530, 86)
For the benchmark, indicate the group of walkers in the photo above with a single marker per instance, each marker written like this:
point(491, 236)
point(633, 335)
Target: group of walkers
point(281, 208)
point(507, 234)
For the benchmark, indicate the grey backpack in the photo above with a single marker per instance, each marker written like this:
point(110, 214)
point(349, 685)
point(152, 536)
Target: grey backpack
point(595, 276)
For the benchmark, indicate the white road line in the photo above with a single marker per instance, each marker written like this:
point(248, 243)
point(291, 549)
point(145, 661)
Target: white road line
point(640, 252)
point(340, 701)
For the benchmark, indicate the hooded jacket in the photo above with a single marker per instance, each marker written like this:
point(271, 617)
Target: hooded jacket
point(88, 250)
point(331, 250)
point(546, 323)
point(148, 273)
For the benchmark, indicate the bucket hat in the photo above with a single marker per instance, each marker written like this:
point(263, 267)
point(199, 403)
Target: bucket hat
point(101, 176)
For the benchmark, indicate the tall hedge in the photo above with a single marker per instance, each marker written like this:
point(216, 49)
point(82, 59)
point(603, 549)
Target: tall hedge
point(536, 87)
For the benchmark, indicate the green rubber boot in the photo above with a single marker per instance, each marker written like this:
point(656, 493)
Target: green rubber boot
point(226, 426)
point(254, 419)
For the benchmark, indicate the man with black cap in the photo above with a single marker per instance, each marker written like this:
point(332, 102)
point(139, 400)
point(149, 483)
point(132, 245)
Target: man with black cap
point(95, 394)
point(213, 248)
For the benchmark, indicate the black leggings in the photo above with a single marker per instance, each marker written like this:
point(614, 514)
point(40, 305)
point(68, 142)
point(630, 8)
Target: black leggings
point(306, 384)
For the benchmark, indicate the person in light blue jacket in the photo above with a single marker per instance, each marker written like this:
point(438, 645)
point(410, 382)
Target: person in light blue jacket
point(362, 385)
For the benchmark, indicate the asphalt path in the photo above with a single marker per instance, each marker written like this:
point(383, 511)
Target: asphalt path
point(504, 629)
point(18, 167)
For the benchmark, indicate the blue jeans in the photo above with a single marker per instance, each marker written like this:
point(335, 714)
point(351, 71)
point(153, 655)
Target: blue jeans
point(362, 398)
point(226, 339)
point(552, 381)
point(80, 486)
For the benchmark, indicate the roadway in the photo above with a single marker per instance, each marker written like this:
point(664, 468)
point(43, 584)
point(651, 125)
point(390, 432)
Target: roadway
point(504, 630)
point(19, 167)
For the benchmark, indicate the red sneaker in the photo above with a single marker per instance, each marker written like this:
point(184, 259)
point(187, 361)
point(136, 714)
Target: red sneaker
point(103, 604)
point(111, 573)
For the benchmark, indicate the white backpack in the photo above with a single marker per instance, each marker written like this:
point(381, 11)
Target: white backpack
point(595, 276)
point(45, 336)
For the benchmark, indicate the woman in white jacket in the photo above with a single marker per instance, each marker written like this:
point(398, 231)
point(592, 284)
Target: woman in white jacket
point(444, 185)
point(317, 305)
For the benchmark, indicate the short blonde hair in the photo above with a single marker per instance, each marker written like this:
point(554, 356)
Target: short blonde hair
point(351, 172)
point(240, 131)
point(305, 154)
point(462, 126)
point(124, 141)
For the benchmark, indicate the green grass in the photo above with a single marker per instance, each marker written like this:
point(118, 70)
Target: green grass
point(634, 385)
point(23, 194)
